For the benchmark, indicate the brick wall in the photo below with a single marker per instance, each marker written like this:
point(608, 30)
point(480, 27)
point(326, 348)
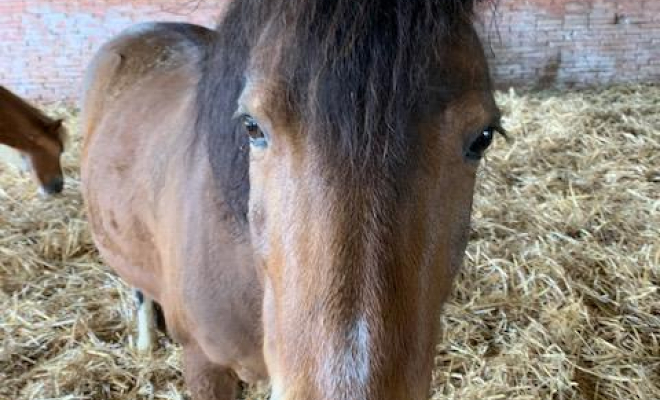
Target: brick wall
point(46, 44)
point(564, 42)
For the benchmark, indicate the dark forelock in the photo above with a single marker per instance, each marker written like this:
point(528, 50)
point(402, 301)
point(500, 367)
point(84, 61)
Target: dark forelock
point(353, 73)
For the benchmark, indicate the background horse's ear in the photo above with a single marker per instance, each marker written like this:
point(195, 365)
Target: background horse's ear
point(55, 125)
point(57, 128)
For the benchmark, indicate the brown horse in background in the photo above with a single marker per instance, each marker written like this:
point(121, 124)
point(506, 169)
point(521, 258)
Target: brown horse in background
point(39, 138)
point(294, 188)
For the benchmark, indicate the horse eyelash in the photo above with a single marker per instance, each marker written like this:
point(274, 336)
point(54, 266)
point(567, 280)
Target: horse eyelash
point(503, 132)
point(239, 115)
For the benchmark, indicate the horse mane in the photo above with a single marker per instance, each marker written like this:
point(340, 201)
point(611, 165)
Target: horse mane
point(353, 71)
point(34, 114)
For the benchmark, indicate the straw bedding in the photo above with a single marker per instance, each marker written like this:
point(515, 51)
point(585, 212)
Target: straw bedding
point(558, 298)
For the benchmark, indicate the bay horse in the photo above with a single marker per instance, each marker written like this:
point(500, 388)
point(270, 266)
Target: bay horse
point(38, 138)
point(293, 188)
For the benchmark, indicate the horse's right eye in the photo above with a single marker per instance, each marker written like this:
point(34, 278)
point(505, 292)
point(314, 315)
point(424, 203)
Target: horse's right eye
point(256, 135)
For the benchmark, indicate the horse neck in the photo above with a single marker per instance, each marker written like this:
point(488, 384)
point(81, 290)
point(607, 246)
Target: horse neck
point(21, 125)
point(23, 135)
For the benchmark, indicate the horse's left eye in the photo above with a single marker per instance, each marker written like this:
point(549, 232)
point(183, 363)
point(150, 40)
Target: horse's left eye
point(256, 135)
point(479, 144)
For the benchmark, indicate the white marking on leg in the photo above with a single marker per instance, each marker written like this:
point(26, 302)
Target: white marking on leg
point(145, 325)
point(276, 391)
point(26, 164)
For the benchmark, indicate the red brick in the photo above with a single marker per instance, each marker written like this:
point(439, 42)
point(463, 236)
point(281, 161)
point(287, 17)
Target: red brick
point(45, 56)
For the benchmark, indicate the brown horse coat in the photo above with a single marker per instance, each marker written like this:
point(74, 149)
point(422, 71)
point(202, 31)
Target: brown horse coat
point(39, 138)
point(295, 189)
point(151, 200)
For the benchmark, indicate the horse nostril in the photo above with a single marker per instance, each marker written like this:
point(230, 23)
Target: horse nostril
point(54, 186)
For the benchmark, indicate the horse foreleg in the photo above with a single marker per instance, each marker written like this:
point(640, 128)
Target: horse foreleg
point(146, 322)
point(205, 380)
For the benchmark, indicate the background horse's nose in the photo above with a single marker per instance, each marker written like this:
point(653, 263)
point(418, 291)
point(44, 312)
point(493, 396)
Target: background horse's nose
point(54, 186)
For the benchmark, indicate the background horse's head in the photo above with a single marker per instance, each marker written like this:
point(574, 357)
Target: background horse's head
point(39, 139)
point(42, 156)
point(365, 122)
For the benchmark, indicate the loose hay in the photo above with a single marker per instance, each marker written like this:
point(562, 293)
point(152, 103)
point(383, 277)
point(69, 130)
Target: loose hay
point(558, 299)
